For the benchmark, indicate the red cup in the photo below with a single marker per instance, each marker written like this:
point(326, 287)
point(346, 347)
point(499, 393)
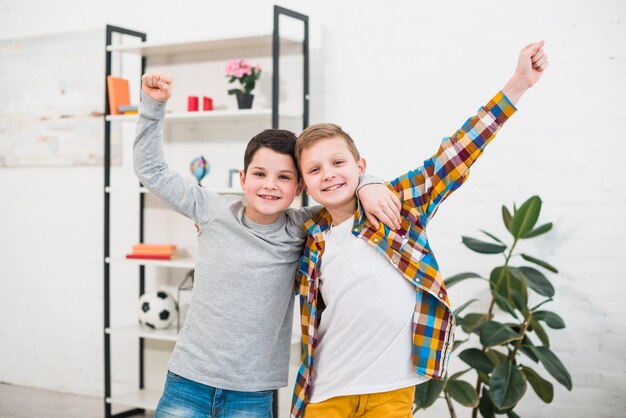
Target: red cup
point(207, 103)
point(192, 103)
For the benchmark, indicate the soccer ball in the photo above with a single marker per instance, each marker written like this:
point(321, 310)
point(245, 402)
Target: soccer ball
point(157, 309)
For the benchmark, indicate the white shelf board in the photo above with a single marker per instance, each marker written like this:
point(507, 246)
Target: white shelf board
point(180, 262)
point(222, 191)
point(148, 49)
point(211, 116)
point(144, 398)
point(137, 330)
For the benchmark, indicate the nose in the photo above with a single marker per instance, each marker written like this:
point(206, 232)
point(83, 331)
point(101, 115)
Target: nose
point(327, 174)
point(269, 184)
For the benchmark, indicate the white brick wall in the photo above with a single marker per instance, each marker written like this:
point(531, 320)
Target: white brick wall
point(398, 76)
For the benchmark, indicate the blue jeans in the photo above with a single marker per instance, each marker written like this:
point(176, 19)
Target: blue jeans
point(184, 398)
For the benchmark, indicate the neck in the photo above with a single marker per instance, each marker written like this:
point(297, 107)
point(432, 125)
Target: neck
point(342, 213)
point(259, 218)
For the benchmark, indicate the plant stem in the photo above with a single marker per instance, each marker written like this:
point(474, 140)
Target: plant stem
point(450, 406)
point(489, 316)
point(522, 331)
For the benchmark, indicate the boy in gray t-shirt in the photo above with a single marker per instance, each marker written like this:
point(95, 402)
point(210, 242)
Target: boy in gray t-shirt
point(234, 347)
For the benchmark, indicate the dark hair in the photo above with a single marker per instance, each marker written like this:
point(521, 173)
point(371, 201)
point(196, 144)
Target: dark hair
point(279, 140)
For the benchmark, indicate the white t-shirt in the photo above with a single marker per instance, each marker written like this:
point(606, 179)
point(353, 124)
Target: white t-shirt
point(365, 332)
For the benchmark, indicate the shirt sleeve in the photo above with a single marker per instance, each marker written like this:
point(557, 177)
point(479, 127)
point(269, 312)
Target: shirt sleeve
point(366, 179)
point(427, 186)
point(176, 192)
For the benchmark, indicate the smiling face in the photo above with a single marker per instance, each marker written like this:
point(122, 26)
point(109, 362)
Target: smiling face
point(270, 184)
point(331, 175)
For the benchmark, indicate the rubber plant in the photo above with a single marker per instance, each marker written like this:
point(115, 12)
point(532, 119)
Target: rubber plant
point(506, 360)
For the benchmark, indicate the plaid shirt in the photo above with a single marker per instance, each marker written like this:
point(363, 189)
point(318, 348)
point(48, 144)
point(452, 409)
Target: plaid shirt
point(420, 191)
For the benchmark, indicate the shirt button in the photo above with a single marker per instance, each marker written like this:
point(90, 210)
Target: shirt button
point(440, 295)
point(395, 261)
point(356, 229)
point(375, 239)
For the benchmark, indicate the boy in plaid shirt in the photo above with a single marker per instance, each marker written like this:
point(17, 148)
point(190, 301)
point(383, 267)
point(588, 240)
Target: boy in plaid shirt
point(369, 337)
point(233, 350)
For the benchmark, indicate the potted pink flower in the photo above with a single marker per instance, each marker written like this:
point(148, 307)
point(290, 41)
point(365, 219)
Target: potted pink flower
point(247, 75)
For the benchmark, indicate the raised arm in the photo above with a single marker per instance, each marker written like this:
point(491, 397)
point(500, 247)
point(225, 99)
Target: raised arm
point(151, 169)
point(427, 186)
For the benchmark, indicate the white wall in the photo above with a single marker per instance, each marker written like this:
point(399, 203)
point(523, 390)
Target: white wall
point(398, 76)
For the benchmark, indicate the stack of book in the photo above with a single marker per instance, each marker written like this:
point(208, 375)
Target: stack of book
point(153, 251)
point(128, 109)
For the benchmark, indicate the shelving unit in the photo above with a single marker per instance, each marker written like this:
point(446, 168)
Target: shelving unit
point(261, 115)
point(269, 44)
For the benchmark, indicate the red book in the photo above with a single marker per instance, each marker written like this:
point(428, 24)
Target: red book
point(150, 256)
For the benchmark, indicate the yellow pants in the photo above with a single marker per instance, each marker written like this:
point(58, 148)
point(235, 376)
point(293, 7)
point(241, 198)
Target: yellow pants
point(394, 404)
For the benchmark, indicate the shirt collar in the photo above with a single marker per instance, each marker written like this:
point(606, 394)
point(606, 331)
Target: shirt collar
point(322, 221)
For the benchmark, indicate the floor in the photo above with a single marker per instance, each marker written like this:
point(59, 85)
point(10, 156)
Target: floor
point(21, 402)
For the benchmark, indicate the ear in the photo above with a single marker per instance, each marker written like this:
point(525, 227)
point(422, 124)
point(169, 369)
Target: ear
point(242, 180)
point(361, 164)
point(301, 187)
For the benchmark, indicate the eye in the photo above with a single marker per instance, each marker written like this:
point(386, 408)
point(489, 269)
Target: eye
point(258, 174)
point(314, 170)
point(284, 177)
point(338, 162)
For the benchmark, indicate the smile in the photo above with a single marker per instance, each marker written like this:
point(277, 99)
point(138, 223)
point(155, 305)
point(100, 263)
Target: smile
point(333, 188)
point(268, 197)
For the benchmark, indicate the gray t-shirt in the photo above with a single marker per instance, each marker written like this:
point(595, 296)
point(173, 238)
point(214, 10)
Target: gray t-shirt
point(238, 329)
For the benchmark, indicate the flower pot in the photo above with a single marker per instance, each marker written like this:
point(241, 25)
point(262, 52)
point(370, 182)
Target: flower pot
point(244, 100)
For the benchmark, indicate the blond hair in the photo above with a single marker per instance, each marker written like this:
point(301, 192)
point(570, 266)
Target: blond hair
point(319, 131)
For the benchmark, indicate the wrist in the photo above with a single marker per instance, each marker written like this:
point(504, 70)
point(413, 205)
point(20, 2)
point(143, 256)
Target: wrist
point(515, 89)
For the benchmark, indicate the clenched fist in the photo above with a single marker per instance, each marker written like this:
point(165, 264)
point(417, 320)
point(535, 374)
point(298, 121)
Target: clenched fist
point(157, 85)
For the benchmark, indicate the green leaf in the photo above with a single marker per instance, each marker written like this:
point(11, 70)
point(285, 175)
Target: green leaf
point(463, 393)
point(506, 217)
point(427, 393)
point(505, 305)
point(484, 377)
point(551, 319)
point(542, 387)
point(452, 280)
point(518, 301)
point(507, 385)
point(494, 333)
point(538, 231)
point(554, 366)
point(485, 406)
point(472, 322)
point(457, 344)
point(496, 357)
point(518, 282)
point(455, 376)
point(526, 348)
point(493, 237)
point(525, 217)
point(512, 414)
point(537, 281)
point(499, 280)
point(234, 91)
point(477, 359)
point(482, 246)
point(540, 263)
point(460, 309)
point(541, 333)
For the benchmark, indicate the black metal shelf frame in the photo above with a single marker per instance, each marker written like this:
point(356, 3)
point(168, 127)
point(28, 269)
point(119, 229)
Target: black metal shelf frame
point(110, 31)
